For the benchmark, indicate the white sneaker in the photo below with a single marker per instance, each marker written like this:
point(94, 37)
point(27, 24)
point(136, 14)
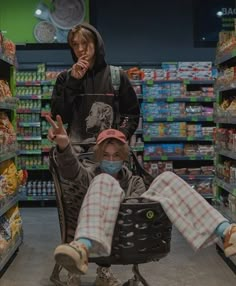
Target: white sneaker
point(105, 277)
point(230, 240)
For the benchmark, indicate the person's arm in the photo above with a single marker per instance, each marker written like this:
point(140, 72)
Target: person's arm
point(128, 107)
point(68, 164)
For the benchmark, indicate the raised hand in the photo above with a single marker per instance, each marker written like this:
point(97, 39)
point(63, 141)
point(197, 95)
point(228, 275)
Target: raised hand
point(80, 68)
point(57, 132)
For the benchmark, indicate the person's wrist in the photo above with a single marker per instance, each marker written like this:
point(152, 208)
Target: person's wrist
point(63, 146)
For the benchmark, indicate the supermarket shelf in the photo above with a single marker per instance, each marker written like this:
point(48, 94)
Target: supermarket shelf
point(151, 81)
point(36, 198)
point(196, 177)
point(7, 105)
point(179, 99)
point(10, 252)
point(231, 188)
point(137, 148)
point(225, 211)
point(6, 59)
point(29, 138)
point(28, 110)
point(180, 138)
point(7, 155)
point(30, 152)
point(185, 81)
point(29, 124)
point(179, 118)
point(6, 204)
point(225, 118)
point(35, 82)
point(224, 58)
point(228, 86)
point(180, 157)
point(29, 96)
point(230, 154)
point(200, 82)
point(34, 167)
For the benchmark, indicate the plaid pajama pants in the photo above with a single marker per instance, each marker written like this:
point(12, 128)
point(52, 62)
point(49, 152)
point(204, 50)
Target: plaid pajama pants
point(189, 212)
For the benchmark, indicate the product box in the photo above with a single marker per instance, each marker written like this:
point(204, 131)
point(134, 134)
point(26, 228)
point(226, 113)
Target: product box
point(203, 75)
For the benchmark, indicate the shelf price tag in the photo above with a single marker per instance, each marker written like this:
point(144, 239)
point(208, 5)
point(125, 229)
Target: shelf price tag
point(164, 157)
point(209, 118)
point(150, 119)
point(150, 82)
point(170, 99)
point(146, 158)
point(150, 99)
point(186, 81)
point(194, 118)
point(190, 138)
point(207, 157)
point(192, 157)
point(170, 118)
point(146, 138)
point(193, 99)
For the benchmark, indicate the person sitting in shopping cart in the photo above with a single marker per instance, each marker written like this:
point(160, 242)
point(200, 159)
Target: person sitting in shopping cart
point(109, 182)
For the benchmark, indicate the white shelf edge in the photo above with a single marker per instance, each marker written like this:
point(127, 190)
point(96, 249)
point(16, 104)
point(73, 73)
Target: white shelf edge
point(8, 204)
point(13, 248)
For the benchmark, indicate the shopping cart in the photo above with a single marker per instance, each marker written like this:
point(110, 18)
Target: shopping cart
point(142, 232)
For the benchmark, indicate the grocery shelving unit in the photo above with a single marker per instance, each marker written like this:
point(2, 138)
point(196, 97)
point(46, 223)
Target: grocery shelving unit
point(34, 90)
point(168, 129)
point(7, 72)
point(225, 118)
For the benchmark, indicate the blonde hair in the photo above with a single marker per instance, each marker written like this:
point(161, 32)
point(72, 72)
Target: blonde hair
point(84, 33)
point(122, 149)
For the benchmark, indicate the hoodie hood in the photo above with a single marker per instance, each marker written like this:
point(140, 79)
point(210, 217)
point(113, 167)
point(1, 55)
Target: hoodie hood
point(99, 45)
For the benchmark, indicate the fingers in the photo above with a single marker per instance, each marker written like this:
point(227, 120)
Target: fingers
point(51, 122)
point(83, 58)
point(59, 122)
point(56, 125)
point(81, 66)
point(51, 135)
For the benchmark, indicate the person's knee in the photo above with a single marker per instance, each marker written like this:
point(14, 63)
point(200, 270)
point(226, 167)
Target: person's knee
point(165, 176)
point(104, 177)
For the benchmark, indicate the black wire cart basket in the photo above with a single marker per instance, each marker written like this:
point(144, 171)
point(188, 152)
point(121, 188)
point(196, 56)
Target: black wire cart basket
point(142, 233)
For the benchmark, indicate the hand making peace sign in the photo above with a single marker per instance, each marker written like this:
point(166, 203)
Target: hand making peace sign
point(57, 132)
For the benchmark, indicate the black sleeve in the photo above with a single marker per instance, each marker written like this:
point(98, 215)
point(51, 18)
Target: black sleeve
point(63, 96)
point(128, 107)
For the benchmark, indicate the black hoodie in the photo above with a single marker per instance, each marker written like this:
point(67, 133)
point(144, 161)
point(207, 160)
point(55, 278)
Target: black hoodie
point(78, 100)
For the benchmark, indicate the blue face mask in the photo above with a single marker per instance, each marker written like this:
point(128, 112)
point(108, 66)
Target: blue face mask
point(111, 167)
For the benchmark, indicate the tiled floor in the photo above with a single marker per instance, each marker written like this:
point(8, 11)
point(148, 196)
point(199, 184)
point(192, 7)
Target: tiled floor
point(182, 267)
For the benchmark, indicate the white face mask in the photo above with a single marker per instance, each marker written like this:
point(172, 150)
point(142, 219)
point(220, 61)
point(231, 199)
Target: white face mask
point(111, 167)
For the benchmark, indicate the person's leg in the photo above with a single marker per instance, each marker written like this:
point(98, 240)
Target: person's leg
point(96, 222)
point(193, 216)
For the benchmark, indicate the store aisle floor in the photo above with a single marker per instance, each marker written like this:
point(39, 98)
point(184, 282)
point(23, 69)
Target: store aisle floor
point(182, 267)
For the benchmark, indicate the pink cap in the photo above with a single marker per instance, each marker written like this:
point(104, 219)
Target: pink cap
point(111, 133)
